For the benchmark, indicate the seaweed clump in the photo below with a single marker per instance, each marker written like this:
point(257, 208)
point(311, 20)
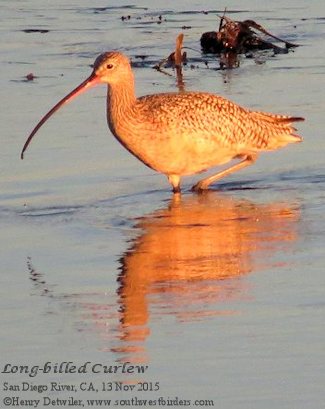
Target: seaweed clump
point(240, 37)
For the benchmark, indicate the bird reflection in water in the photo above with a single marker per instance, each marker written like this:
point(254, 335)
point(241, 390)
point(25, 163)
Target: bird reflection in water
point(189, 261)
point(190, 258)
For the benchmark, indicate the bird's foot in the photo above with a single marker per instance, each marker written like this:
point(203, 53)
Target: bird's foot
point(174, 180)
point(176, 190)
point(199, 188)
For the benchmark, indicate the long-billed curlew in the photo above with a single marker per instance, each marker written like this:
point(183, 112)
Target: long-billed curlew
point(181, 134)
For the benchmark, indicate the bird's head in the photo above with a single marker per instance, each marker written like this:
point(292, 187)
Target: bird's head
point(109, 68)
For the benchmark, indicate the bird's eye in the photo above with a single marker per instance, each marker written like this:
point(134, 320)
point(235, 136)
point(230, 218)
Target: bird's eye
point(109, 66)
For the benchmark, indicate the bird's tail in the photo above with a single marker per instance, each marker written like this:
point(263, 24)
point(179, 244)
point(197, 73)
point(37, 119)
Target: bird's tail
point(274, 118)
point(281, 129)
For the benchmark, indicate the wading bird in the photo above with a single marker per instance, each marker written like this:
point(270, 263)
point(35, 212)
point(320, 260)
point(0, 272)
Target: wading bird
point(180, 134)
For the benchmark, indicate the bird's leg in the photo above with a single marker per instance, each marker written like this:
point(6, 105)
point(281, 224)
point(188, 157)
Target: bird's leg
point(205, 183)
point(175, 180)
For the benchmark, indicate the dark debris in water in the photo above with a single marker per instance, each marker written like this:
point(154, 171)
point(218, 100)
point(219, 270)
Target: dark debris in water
point(239, 36)
point(35, 30)
point(146, 19)
point(38, 280)
point(175, 60)
point(225, 46)
point(30, 77)
point(141, 57)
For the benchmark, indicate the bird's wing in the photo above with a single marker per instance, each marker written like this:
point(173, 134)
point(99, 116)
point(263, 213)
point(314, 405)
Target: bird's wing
point(196, 114)
point(211, 117)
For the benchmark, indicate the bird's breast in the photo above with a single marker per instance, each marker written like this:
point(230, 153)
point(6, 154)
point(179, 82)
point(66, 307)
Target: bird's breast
point(165, 148)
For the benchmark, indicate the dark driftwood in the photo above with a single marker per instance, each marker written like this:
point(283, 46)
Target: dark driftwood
point(240, 37)
point(176, 60)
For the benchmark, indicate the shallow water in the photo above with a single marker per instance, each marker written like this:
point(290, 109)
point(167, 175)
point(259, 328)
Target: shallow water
point(222, 294)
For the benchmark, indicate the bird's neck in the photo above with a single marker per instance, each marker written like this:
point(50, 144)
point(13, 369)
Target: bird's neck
point(121, 100)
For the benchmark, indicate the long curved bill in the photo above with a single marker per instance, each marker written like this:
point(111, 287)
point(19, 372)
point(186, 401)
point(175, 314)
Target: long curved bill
point(89, 82)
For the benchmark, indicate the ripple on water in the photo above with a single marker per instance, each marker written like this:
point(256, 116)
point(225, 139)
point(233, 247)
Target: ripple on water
point(50, 211)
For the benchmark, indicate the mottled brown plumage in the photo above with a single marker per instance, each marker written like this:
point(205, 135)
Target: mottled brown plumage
point(184, 133)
